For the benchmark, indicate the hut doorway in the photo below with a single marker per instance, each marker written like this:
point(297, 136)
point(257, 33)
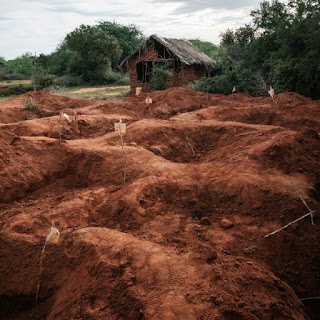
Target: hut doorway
point(144, 71)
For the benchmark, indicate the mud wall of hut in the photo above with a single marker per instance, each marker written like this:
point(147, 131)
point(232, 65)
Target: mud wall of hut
point(184, 76)
point(149, 54)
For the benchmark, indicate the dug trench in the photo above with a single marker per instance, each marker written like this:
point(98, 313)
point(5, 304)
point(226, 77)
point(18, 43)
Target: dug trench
point(183, 238)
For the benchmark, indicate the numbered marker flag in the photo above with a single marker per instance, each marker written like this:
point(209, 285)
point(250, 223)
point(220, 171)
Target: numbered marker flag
point(53, 235)
point(66, 116)
point(271, 93)
point(148, 100)
point(120, 126)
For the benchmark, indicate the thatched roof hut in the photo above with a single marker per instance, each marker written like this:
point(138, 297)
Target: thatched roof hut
point(188, 63)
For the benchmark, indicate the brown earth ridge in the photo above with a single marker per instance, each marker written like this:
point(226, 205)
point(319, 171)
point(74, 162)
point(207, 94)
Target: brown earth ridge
point(207, 177)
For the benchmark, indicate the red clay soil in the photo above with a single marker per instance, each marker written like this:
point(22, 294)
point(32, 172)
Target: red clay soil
point(207, 177)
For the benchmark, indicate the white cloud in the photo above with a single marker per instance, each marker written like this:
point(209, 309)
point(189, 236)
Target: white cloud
point(40, 25)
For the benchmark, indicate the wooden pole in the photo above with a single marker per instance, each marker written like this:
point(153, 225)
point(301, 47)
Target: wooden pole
point(59, 125)
point(124, 153)
point(289, 224)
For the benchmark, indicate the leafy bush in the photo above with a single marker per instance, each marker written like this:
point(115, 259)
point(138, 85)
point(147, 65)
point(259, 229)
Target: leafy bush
point(6, 75)
point(123, 81)
point(42, 79)
point(16, 90)
point(159, 78)
point(69, 81)
point(33, 116)
point(31, 104)
point(111, 77)
point(198, 85)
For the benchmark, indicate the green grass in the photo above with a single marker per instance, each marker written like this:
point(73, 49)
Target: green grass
point(7, 97)
point(100, 93)
point(9, 83)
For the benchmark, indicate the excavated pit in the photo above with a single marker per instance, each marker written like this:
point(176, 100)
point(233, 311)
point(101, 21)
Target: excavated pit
point(207, 177)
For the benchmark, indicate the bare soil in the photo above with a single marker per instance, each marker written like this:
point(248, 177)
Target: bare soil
point(207, 177)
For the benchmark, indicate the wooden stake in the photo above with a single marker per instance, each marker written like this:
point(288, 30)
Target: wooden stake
point(124, 153)
point(190, 146)
point(59, 125)
point(289, 224)
point(41, 269)
point(310, 298)
point(303, 201)
point(245, 133)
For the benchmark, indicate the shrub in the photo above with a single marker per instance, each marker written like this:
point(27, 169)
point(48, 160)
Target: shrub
point(33, 116)
point(5, 75)
point(31, 104)
point(111, 77)
point(42, 79)
point(69, 81)
point(124, 81)
point(198, 85)
point(159, 78)
point(16, 90)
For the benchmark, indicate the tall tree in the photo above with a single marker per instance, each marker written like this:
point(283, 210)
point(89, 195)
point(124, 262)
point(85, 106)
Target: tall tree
point(129, 37)
point(96, 50)
point(210, 49)
point(280, 48)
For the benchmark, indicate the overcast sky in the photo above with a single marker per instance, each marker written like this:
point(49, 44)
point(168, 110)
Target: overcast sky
point(37, 26)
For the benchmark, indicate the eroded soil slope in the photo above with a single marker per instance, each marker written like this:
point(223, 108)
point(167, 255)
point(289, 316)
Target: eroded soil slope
point(207, 177)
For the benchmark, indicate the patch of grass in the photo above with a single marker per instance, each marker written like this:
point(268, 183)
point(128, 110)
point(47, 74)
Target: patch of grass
point(99, 93)
point(31, 117)
point(31, 104)
point(14, 82)
point(6, 97)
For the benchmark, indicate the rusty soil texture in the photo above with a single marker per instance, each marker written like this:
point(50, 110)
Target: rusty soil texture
point(207, 177)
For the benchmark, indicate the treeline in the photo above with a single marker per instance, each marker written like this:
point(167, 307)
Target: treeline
point(88, 55)
point(281, 48)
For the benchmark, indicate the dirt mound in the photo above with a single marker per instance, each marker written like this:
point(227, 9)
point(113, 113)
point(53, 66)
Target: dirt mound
point(206, 178)
point(55, 103)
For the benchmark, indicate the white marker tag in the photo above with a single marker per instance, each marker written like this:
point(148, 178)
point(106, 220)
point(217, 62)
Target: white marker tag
point(66, 116)
point(120, 126)
point(148, 100)
point(53, 236)
point(271, 93)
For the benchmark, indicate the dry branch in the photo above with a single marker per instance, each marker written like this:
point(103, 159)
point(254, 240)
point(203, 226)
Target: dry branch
point(303, 201)
point(40, 274)
point(245, 133)
point(310, 298)
point(194, 154)
point(289, 224)
point(52, 237)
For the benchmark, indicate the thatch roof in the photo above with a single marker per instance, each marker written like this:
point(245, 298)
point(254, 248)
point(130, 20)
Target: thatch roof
point(181, 49)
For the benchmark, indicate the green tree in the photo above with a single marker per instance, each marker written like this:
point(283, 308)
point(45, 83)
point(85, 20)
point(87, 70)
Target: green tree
point(64, 61)
point(210, 49)
point(159, 77)
point(280, 48)
point(95, 48)
point(18, 68)
point(129, 37)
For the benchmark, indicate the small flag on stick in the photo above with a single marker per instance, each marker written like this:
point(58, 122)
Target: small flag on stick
point(271, 93)
point(120, 127)
point(53, 235)
point(148, 100)
point(66, 116)
point(234, 90)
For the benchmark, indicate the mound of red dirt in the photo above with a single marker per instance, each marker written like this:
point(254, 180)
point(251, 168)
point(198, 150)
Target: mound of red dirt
point(169, 225)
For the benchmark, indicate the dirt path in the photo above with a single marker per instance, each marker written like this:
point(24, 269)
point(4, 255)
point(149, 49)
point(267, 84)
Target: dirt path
point(97, 89)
